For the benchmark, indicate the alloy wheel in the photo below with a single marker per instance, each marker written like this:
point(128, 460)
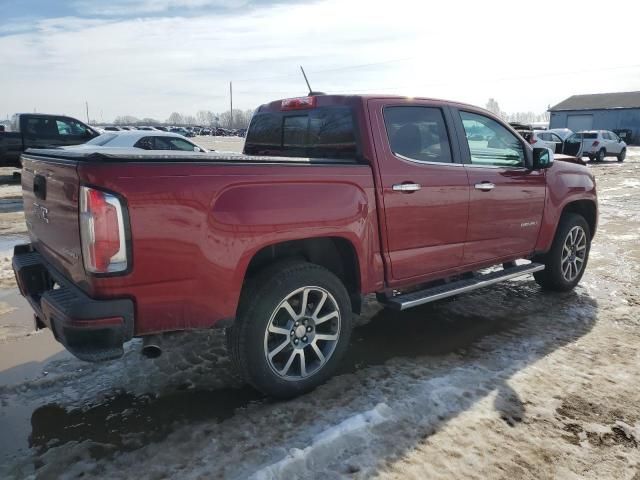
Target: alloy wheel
point(574, 252)
point(302, 333)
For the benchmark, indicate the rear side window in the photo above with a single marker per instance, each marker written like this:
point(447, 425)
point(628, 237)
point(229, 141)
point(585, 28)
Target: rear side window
point(588, 135)
point(41, 127)
point(324, 132)
point(417, 133)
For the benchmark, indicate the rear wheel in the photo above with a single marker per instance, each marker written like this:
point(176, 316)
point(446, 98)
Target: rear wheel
point(293, 327)
point(622, 155)
point(566, 261)
point(600, 155)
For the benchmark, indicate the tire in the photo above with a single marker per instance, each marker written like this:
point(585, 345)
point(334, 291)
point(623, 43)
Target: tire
point(622, 155)
point(591, 158)
point(266, 344)
point(600, 155)
point(557, 276)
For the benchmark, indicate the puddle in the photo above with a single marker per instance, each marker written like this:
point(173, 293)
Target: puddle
point(126, 422)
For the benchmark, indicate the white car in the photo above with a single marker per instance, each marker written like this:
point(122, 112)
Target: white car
point(598, 144)
point(565, 142)
point(143, 139)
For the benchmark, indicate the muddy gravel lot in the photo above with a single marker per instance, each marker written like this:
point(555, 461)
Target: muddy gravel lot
point(507, 382)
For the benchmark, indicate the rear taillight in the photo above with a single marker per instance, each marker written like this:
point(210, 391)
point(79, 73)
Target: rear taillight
point(595, 144)
point(300, 103)
point(532, 140)
point(104, 246)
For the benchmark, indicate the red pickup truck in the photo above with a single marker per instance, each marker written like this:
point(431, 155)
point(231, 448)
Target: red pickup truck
point(333, 198)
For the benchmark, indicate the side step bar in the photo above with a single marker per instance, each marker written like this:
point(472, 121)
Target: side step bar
point(420, 297)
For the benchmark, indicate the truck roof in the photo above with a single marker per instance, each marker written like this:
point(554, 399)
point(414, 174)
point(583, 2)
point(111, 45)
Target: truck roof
point(327, 100)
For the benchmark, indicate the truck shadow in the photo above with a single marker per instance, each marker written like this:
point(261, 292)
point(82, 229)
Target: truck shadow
point(123, 421)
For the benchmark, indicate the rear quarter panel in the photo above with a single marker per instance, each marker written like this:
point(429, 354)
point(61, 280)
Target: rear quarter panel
point(566, 182)
point(195, 228)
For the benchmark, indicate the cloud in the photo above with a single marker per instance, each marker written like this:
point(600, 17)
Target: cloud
point(151, 65)
point(123, 8)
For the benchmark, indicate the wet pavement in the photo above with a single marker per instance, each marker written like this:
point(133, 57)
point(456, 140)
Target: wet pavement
point(61, 416)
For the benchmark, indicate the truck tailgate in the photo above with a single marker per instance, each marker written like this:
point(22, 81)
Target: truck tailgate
point(50, 195)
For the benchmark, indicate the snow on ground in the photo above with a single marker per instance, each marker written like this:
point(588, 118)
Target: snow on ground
point(506, 382)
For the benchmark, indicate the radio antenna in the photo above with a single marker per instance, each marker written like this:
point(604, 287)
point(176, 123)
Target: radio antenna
point(306, 79)
point(311, 92)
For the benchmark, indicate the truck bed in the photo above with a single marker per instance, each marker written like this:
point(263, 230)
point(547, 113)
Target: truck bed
point(195, 221)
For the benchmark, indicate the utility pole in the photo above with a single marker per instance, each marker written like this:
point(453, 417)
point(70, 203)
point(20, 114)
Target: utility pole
point(86, 104)
point(231, 100)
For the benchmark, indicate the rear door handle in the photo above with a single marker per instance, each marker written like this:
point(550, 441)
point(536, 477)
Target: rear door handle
point(485, 186)
point(406, 187)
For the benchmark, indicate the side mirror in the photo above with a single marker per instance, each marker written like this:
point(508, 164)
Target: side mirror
point(542, 158)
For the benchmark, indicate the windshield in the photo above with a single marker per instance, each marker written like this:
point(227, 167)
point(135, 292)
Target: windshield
point(325, 132)
point(102, 139)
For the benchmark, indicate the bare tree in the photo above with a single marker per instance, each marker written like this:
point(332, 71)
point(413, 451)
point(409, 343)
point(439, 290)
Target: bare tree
point(126, 120)
point(175, 119)
point(493, 107)
point(241, 118)
point(189, 120)
point(205, 117)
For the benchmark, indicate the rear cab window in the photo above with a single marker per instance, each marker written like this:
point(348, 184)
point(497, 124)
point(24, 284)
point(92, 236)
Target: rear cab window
point(320, 132)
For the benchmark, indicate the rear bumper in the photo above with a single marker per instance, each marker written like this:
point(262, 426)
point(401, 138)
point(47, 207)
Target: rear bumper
point(92, 330)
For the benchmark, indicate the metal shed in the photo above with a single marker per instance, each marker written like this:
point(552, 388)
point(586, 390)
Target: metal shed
point(600, 111)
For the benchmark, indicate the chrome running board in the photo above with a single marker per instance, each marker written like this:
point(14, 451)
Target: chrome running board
point(420, 297)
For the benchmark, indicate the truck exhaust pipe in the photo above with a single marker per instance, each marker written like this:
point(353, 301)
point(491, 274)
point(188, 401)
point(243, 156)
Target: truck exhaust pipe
point(151, 347)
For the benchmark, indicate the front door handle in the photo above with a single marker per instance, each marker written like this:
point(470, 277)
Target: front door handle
point(406, 187)
point(485, 186)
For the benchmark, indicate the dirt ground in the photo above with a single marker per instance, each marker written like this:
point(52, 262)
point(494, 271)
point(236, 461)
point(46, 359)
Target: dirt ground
point(507, 382)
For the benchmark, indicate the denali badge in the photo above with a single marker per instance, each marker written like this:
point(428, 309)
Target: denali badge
point(41, 212)
point(528, 224)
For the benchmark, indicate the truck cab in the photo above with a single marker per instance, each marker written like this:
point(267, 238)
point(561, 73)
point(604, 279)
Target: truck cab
point(33, 130)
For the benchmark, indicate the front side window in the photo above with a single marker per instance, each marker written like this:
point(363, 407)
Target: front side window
point(417, 133)
point(67, 127)
point(498, 146)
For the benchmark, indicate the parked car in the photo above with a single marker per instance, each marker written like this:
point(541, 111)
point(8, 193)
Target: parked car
point(571, 145)
point(563, 133)
point(161, 128)
point(598, 144)
point(38, 130)
point(334, 198)
point(182, 131)
point(142, 139)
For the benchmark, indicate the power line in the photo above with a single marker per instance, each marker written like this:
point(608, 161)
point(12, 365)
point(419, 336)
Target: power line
point(326, 70)
point(444, 83)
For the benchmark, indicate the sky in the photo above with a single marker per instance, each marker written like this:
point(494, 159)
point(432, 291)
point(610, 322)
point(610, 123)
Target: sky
point(149, 58)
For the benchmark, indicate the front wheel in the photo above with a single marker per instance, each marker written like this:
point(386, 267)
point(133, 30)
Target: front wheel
point(566, 261)
point(293, 327)
point(622, 155)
